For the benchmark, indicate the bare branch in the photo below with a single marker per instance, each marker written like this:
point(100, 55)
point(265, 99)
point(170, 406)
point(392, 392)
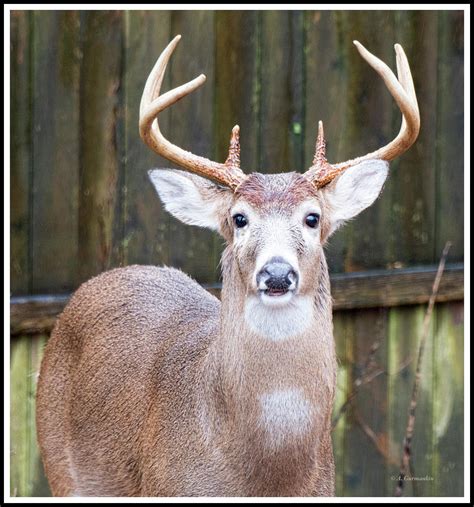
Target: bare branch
point(363, 379)
point(381, 448)
point(407, 441)
point(358, 382)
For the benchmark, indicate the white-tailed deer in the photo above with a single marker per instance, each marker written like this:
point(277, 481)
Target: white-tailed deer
point(150, 386)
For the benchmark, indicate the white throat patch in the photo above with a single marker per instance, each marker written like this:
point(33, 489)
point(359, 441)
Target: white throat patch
point(285, 414)
point(279, 322)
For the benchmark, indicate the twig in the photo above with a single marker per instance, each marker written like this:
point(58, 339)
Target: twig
point(405, 463)
point(358, 382)
point(362, 380)
point(374, 438)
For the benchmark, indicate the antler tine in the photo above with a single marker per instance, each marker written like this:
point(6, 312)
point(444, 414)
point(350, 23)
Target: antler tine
point(404, 75)
point(403, 91)
point(320, 151)
point(321, 168)
point(152, 103)
point(233, 160)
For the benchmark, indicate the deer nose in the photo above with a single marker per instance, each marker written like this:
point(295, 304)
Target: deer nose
point(277, 274)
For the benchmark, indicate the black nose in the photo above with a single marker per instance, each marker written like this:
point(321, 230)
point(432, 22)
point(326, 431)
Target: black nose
point(277, 274)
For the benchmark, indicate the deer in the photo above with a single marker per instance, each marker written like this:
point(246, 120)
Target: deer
point(150, 386)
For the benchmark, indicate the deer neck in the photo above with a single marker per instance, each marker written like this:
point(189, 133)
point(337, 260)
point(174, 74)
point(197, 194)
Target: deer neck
point(273, 372)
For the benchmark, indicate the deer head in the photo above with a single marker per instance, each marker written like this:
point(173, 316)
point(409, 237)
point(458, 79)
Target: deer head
point(275, 225)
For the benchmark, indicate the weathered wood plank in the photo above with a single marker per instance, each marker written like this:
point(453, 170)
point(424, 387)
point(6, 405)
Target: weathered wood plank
point(191, 127)
point(448, 402)
point(39, 483)
point(296, 66)
point(413, 199)
point(20, 150)
point(237, 89)
point(449, 142)
point(325, 79)
point(34, 314)
point(55, 150)
point(394, 287)
point(275, 112)
point(325, 92)
point(365, 465)
point(343, 388)
point(366, 126)
point(402, 349)
point(26, 476)
point(101, 147)
point(405, 328)
point(19, 418)
point(237, 85)
point(146, 238)
point(422, 444)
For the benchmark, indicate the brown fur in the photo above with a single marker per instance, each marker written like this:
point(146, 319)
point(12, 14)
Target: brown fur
point(149, 386)
point(288, 189)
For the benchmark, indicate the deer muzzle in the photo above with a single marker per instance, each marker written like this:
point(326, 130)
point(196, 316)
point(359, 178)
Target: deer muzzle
point(277, 277)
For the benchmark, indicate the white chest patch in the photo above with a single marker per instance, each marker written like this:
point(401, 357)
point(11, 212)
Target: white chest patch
point(285, 414)
point(278, 323)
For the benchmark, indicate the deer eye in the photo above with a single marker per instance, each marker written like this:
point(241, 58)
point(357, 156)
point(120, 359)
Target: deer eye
point(239, 220)
point(312, 220)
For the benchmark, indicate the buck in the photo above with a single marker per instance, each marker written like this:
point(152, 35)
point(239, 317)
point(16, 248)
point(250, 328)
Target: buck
point(151, 386)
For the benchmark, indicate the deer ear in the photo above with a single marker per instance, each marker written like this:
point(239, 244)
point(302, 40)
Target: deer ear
point(354, 190)
point(190, 198)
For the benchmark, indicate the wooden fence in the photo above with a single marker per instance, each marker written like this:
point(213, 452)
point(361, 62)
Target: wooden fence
point(81, 202)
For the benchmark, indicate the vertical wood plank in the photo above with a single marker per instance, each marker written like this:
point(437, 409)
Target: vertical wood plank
point(296, 67)
point(237, 88)
point(366, 126)
point(26, 475)
point(191, 127)
point(343, 387)
point(450, 138)
point(413, 174)
point(325, 92)
point(39, 483)
point(275, 109)
point(326, 81)
point(146, 239)
point(19, 365)
point(365, 466)
point(400, 381)
point(237, 99)
point(405, 326)
point(398, 228)
point(20, 150)
point(422, 442)
point(448, 401)
point(55, 150)
point(100, 144)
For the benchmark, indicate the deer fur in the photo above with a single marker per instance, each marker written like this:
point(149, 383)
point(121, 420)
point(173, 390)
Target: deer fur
point(151, 386)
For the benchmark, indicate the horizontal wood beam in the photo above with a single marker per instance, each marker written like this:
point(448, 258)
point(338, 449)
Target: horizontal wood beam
point(397, 287)
point(368, 289)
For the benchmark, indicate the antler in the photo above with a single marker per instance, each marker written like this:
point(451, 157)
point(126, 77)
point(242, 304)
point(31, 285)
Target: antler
point(403, 91)
point(228, 174)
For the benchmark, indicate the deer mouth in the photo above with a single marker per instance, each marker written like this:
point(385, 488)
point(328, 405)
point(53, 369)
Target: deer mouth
point(275, 292)
point(276, 297)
